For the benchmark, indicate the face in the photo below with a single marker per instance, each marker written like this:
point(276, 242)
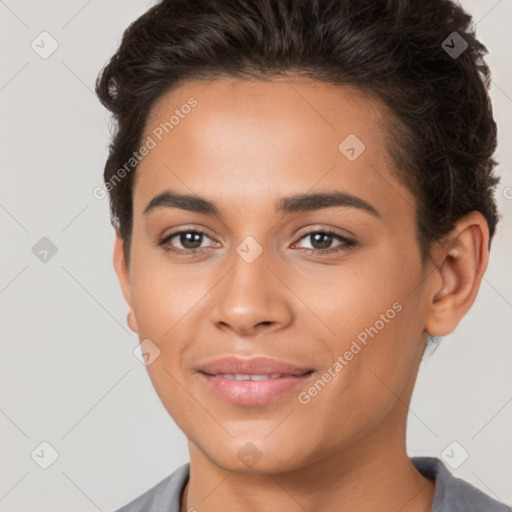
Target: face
point(333, 285)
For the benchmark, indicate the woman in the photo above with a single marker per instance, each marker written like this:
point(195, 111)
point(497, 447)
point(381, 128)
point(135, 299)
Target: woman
point(303, 200)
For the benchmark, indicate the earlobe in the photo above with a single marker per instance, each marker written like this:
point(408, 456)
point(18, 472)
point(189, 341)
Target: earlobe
point(130, 320)
point(461, 261)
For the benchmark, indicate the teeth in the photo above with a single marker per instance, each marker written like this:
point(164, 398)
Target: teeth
point(249, 377)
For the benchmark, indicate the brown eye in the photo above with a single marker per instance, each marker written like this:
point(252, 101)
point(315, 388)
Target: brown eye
point(321, 241)
point(189, 240)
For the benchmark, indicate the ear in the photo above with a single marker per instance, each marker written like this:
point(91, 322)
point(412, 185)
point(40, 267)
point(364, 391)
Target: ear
point(123, 276)
point(461, 260)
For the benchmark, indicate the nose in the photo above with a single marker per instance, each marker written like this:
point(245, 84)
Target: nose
point(252, 298)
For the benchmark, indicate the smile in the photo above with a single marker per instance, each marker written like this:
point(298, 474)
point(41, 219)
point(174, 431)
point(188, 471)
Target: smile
point(252, 389)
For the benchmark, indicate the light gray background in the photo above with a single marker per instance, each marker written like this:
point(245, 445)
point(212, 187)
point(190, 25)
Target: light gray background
point(69, 376)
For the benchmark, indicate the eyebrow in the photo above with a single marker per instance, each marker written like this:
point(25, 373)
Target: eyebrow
point(291, 204)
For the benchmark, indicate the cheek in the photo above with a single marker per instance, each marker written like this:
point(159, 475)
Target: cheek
point(374, 380)
point(384, 367)
point(352, 298)
point(162, 295)
point(376, 323)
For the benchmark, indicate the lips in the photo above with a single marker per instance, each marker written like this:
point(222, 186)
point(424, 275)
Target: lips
point(252, 381)
point(257, 366)
point(244, 376)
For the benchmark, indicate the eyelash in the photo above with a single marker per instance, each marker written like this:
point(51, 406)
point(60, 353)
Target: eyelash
point(346, 242)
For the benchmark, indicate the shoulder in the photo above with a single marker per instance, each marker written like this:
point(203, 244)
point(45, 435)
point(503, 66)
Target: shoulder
point(453, 494)
point(165, 495)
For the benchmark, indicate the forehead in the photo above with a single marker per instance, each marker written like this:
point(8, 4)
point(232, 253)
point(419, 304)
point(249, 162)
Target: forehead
point(252, 140)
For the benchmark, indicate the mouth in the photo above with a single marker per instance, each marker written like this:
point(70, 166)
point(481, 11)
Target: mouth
point(243, 376)
point(253, 381)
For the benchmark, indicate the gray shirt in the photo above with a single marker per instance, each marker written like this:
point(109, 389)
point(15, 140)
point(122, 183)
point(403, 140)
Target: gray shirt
point(451, 494)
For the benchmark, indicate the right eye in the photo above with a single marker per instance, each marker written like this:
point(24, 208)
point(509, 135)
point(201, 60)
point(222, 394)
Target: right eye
point(189, 239)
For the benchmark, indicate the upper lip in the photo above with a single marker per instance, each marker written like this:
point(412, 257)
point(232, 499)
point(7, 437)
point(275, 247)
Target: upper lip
point(233, 365)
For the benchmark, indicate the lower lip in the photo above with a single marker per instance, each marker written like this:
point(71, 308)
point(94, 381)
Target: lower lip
point(252, 392)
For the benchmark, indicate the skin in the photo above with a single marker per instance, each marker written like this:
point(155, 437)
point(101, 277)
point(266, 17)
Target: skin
point(246, 145)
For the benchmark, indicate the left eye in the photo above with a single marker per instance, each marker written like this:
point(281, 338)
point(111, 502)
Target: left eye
point(321, 241)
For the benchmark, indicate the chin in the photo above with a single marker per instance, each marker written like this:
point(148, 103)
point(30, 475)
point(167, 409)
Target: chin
point(256, 456)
